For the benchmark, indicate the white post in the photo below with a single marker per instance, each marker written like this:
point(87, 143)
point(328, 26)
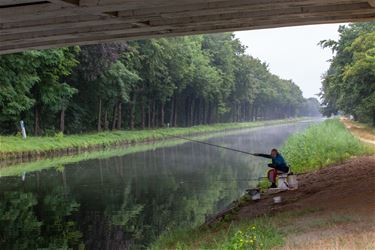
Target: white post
point(23, 130)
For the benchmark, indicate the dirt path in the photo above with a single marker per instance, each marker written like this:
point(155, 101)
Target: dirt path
point(333, 208)
point(364, 133)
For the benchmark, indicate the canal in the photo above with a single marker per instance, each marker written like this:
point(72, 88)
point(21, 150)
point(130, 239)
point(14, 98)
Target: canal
point(127, 201)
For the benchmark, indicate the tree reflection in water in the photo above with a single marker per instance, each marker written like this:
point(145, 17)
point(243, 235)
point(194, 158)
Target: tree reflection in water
point(28, 221)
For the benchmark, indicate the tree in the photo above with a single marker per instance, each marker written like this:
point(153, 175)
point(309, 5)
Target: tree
point(94, 61)
point(349, 84)
point(310, 107)
point(49, 92)
point(17, 77)
point(117, 83)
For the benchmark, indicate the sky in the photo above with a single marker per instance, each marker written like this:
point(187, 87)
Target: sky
point(293, 52)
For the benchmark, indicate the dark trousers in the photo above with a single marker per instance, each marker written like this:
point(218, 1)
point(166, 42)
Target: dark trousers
point(284, 169)
point(273, 172)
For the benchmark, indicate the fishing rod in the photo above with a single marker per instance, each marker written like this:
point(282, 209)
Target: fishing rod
point(213, 145)
point(227, 180)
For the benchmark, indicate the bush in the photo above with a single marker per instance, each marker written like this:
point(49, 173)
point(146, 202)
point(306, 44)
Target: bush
point(59, 135)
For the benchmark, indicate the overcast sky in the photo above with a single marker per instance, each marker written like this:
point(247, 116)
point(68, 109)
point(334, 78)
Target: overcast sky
point(293, 53)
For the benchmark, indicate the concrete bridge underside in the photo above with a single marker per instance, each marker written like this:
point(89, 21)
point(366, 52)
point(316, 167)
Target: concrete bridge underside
point(38, 24)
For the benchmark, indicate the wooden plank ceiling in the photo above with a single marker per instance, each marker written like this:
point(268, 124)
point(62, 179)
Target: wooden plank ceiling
point(38, 24)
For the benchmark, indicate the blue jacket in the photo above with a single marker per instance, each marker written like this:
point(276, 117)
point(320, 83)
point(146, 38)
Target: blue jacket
point(278, 161)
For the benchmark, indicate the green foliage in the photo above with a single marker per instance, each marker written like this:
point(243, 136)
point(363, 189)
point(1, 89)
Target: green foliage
point(59, 135)
point(320, 145)
point(310, 107)
point(256, 236)
point(257, 233)
point(349, 84)
point(246, 239)
point(19, 227)
point(128, 213)
point(264, 184)
point(25, 224)
point(116, 84)
point(183, 81)
point(50, 93)
point(59, 230)
point(17, 76)
point(34, 80)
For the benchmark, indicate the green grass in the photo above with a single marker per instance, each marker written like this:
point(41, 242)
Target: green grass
point(259, 233)
point(322, 144)
point(60, 162)
point(15, 144)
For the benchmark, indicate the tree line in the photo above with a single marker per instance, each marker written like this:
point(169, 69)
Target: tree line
point(181, 81)
point(349, 83)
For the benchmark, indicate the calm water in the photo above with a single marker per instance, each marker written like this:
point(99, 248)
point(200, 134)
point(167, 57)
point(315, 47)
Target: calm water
point(126, 202)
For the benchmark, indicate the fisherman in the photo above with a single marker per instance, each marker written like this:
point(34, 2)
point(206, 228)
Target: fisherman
point(278, 165)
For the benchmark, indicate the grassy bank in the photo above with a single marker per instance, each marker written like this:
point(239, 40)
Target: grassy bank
point(321, 145)
point(314, 148)
point(253, 234)
point(60, 162)
point(12, 146)
point(259, 233)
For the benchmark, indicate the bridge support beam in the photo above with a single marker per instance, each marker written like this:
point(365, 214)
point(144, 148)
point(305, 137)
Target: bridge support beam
point(38, 24)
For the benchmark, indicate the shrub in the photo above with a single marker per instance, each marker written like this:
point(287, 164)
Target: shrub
point(245, 239)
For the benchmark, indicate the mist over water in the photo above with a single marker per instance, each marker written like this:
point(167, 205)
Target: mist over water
point(128, 201)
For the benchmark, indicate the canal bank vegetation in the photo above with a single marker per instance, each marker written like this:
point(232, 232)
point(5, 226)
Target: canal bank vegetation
point(16, 147)
point(17, 169)
point(323, 144)
point(259, 233)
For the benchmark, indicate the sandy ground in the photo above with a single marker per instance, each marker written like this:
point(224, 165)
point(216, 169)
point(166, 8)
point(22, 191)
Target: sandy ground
point(362, 132)
point(333, 208)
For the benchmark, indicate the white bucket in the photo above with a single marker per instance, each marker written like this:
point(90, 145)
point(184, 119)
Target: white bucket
point(277, 199)
point(256, 196)
point(282, 182)
point(292, 181)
